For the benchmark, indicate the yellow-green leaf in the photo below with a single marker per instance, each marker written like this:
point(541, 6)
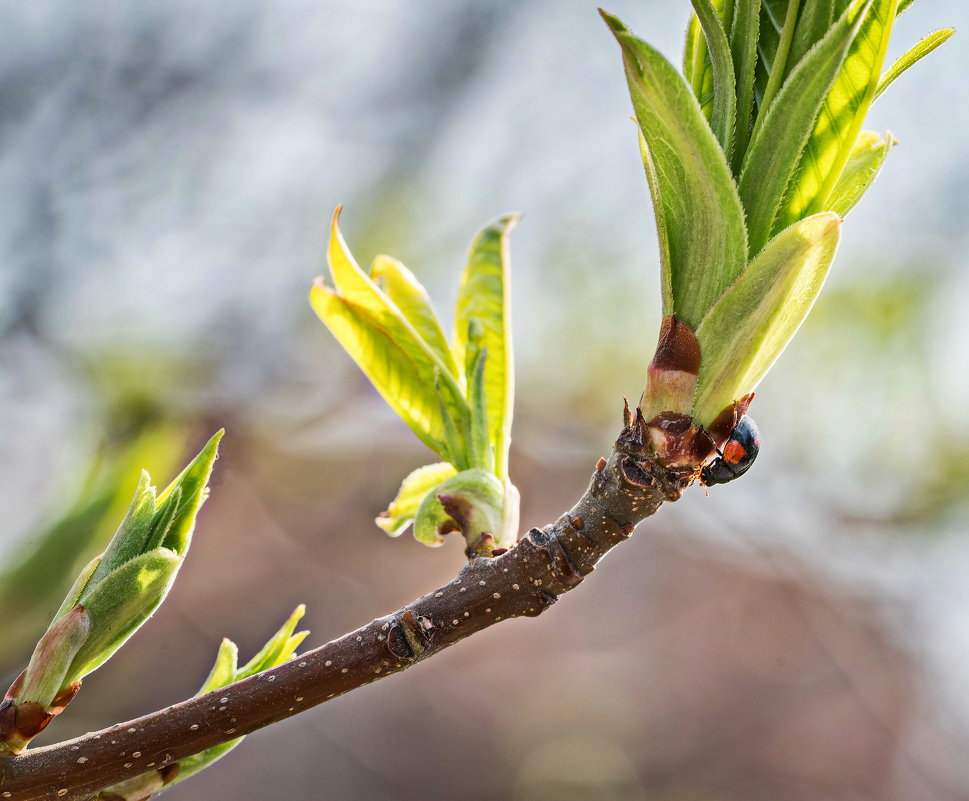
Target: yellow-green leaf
point(780, 134)
point(402, 509)
point(842, 115)
point(704, 221)
point(866, 160)
point(484, 299)
point(409, 295)
point(724, 110)
point(398, 364)
point(755, 319)
point(120, 603)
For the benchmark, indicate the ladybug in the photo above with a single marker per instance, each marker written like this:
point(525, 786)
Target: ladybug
point(737, 456)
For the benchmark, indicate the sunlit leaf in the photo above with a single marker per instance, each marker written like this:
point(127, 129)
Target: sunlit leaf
point(484, 299)
point(403, 509)
point(842, 114)
point(399, 365)
point(755, 319)
point(779, 136)
point(919, 51)
point(704, 220)
point(224, 670)
point(279, 649)
point(120, 603)
point(867, 157)
point(408, 295)
point(724, 112)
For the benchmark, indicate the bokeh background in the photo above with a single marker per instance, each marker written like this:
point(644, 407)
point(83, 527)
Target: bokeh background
point(166, 173)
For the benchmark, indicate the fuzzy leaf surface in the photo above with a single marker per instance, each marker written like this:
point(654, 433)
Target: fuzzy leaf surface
point(750, 326)
point(842, 115)
point(706, 237)
point(780, 136)
point(911, 57)
point(484, 300)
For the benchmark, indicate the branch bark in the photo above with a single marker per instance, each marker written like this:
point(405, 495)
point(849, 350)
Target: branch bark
point(523, 582)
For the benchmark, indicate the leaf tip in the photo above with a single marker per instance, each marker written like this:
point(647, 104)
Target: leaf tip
point(615, 24)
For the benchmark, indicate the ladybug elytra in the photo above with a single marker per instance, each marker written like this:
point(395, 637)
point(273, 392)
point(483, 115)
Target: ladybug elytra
point(737, 456)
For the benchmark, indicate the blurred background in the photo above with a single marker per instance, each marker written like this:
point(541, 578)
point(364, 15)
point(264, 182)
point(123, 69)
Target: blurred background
point(166, 174)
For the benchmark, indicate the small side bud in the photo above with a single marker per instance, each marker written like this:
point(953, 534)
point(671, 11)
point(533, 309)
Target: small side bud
point(672, 374)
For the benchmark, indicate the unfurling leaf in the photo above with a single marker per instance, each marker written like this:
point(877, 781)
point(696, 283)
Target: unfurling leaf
point(403, 509)
point(279, 649)
point(409, 295)
point(113, 595)
point(724, 112)
point(919, 51)
point(484, 301)
point(842, 114)
point(704, 222)
point(755, 319)
point(393, 355)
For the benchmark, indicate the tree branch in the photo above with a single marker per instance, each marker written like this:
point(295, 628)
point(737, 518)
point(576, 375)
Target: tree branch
point(522, 582)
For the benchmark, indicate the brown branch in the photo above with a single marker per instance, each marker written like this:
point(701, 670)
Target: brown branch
point(524, 581)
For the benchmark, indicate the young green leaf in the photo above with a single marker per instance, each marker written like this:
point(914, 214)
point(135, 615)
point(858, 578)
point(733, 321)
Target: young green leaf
point(476, 359)
point(777, 26)
point(723, 115)
point(408, 295)
point(704, 220)
point(866, 160)
point(484, 299)
point(280, 648)
point(224, 670)
point(187, 493)
point(120, 603)
point(697, 67)
point(842, 115)
point(743, 49)
point(779, 136)
point(813, 23)
point(403, 509)
point(665, 264)
point(755, 319)
point(919, 51)
point(393, 355)
point(398, 364)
